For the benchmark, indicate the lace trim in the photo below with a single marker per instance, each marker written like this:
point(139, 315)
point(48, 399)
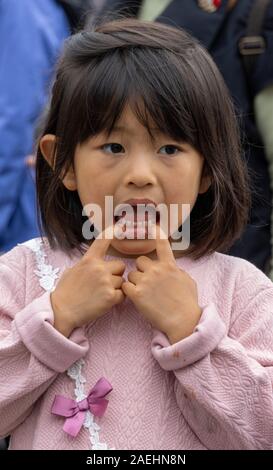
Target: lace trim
point(45, 271)
point(75, 372)
point(48, 276)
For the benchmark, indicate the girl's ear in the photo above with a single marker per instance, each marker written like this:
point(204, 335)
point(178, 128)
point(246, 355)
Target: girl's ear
point(205, 180)
point(47, 147)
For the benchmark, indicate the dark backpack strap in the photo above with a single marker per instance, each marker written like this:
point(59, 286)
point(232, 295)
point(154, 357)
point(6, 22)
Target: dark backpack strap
point(253, 44)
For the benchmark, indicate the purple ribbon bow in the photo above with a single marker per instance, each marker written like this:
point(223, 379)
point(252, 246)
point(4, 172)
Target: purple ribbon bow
point(74, 411)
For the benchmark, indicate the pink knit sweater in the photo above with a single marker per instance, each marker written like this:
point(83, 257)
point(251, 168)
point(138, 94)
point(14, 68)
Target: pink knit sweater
point(212, 390)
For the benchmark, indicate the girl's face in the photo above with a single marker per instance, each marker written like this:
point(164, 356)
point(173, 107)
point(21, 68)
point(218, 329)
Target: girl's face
point(130, 165)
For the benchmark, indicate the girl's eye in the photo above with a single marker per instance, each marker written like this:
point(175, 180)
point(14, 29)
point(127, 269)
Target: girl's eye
point(169, 150)
point(113, 148)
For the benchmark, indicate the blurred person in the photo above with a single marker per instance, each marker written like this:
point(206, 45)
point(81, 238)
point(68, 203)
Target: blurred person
point(32, 33)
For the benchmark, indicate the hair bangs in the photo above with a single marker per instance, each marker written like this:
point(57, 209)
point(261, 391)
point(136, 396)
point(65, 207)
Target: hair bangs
point(104, 96)
point(156, 98)
point(141, 78)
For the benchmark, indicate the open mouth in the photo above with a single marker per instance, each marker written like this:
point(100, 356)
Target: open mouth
point(137, 217)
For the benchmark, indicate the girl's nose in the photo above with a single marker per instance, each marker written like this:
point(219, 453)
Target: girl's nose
point(140, 173)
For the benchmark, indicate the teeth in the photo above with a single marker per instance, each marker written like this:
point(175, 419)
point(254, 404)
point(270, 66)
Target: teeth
point(131, 224)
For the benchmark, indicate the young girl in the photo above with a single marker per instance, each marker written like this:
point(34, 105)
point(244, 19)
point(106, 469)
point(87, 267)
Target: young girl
point(125, 343)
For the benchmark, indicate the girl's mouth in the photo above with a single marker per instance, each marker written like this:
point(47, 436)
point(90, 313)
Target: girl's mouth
point(138, 221)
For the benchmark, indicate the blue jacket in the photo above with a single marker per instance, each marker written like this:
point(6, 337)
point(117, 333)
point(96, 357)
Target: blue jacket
point(31, 35)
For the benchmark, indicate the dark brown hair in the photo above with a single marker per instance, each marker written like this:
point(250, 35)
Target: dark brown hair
point(167, 78)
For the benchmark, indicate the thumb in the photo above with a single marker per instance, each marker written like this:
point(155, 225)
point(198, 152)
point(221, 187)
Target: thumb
point(129, 289)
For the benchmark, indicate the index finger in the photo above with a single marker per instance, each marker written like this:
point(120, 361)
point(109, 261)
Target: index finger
point(163, 247)
point(100, 245)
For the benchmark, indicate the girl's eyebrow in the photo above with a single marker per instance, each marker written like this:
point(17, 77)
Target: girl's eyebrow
point(154, 130)
point(119, 128)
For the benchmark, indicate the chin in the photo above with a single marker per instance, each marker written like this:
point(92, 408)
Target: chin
point(134, 247)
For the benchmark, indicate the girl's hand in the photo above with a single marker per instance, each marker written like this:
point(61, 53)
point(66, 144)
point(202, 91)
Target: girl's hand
point(87, 290)
point(164, 294)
